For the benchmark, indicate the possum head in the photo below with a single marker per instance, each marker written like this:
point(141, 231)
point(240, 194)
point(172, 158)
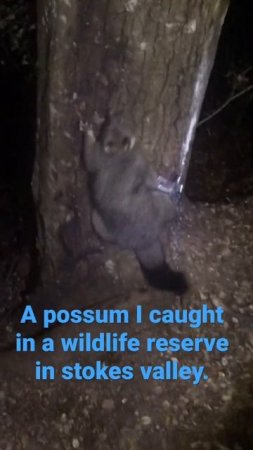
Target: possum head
point(114, 138)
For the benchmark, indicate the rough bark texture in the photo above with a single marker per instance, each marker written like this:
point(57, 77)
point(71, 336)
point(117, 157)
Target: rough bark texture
point(149, 60)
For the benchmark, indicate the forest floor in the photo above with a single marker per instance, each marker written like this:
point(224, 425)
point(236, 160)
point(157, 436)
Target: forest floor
point(213, 244)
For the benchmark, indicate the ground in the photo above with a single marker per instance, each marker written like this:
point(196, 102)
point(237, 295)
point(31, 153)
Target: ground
point(213, 244)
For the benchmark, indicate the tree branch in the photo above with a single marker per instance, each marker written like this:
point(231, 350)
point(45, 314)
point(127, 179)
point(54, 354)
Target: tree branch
point(224, 105)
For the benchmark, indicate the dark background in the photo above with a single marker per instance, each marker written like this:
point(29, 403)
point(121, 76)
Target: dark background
point(221, 166)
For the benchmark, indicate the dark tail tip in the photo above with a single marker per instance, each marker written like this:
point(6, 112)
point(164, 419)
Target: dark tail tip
point(165, 279)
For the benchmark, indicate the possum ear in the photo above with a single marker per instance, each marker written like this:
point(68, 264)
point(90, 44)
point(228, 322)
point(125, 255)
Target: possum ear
point(132, 142)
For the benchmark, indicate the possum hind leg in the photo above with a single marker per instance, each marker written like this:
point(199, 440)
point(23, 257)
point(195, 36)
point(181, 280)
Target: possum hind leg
point(157, 272)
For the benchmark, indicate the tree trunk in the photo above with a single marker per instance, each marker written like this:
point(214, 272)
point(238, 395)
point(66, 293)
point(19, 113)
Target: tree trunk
point(149, 60)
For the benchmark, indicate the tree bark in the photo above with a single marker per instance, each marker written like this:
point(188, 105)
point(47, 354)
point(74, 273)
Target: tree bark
point(149, 60)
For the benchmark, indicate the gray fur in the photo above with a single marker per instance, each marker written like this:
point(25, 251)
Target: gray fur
point(129, 209)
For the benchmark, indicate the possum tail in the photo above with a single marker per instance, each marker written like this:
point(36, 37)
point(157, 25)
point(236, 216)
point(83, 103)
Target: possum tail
point(158, 273)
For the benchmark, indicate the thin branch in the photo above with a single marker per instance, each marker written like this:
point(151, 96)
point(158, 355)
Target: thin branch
point(224, 105)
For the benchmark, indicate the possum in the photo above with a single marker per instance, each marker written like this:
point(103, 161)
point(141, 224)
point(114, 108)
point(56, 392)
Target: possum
point(131, 205)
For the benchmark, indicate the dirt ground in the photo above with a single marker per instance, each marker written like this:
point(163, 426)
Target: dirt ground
point(213, 244)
